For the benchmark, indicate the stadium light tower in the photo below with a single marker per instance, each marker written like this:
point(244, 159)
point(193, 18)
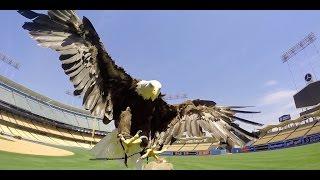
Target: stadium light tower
point(73, 97)
point(309, 39)
point(176, 96)
point(10, 62)
point(70, 93)
point(294, 50)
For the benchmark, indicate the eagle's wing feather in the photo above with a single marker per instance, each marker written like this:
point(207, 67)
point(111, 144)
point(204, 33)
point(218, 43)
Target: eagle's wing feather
point(194, 119)
point(84, 59)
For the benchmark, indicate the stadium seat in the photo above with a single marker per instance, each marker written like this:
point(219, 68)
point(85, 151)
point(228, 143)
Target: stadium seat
point(10, 117)
point(88, 138)
point(4, 116)
point(203, 146)
point(60, 141)
point(39, 126)
point(65, 133)
point(314, 130)
point(14, 131)
point(85, 145)
point(45, 139)
point(175, 147)
point(301, 131)
point(6, 130)
point(282, 135)
point(24, 134)
point(265, 139)
point(76, 135)
point(35, 137)
point(46, 129)
point(19, 122)
point(72, 143)
point(52, 130)
point(188, 147)
point(25, 122)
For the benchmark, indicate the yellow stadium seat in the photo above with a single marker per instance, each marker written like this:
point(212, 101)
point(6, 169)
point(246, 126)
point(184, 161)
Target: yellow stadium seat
point(5, 116)
point(26, 123)
point(24, 134)
point(279, 137)
point(298, 133)
point(52, 130)
point(175, 147)
point(88, 138)
point(14, 131)
point(203, 146)
point(85, 145)
point(39, 126)
point(6, 129)
point(188, 147)
point(314, 130)
point(35, 137)
point(64, 133)
point(76, 135)
point(60, 141)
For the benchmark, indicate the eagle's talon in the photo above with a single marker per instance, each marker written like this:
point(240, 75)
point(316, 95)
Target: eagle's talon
point(153, 153)
point(127, 143)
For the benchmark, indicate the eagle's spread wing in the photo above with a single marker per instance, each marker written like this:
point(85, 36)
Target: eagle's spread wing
point(195, 118)
point(84, 59)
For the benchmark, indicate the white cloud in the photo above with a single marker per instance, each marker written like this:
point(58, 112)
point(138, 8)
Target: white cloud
point(272, 106)
point(275, 104)
point(271, 83)
point(277, 97)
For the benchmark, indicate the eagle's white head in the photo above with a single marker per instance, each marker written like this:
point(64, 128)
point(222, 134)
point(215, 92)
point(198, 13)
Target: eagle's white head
point(148, 89)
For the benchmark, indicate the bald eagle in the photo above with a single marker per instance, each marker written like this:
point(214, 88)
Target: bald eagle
point(144, 121)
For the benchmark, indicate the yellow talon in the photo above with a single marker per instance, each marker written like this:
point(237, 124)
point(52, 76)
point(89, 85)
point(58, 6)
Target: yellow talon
point(127, 143)
point(153, 153)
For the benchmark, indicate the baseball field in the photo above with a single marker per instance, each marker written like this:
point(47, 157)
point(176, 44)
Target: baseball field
point(303, 157)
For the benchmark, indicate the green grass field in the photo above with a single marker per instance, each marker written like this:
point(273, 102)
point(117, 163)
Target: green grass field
point(303, 157)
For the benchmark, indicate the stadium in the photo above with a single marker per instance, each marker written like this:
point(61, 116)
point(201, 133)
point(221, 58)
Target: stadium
point(38, 132)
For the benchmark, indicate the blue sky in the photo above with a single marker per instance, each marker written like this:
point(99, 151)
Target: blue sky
point(231, 57)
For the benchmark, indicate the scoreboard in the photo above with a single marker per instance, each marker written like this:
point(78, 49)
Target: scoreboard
point(285, 117)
